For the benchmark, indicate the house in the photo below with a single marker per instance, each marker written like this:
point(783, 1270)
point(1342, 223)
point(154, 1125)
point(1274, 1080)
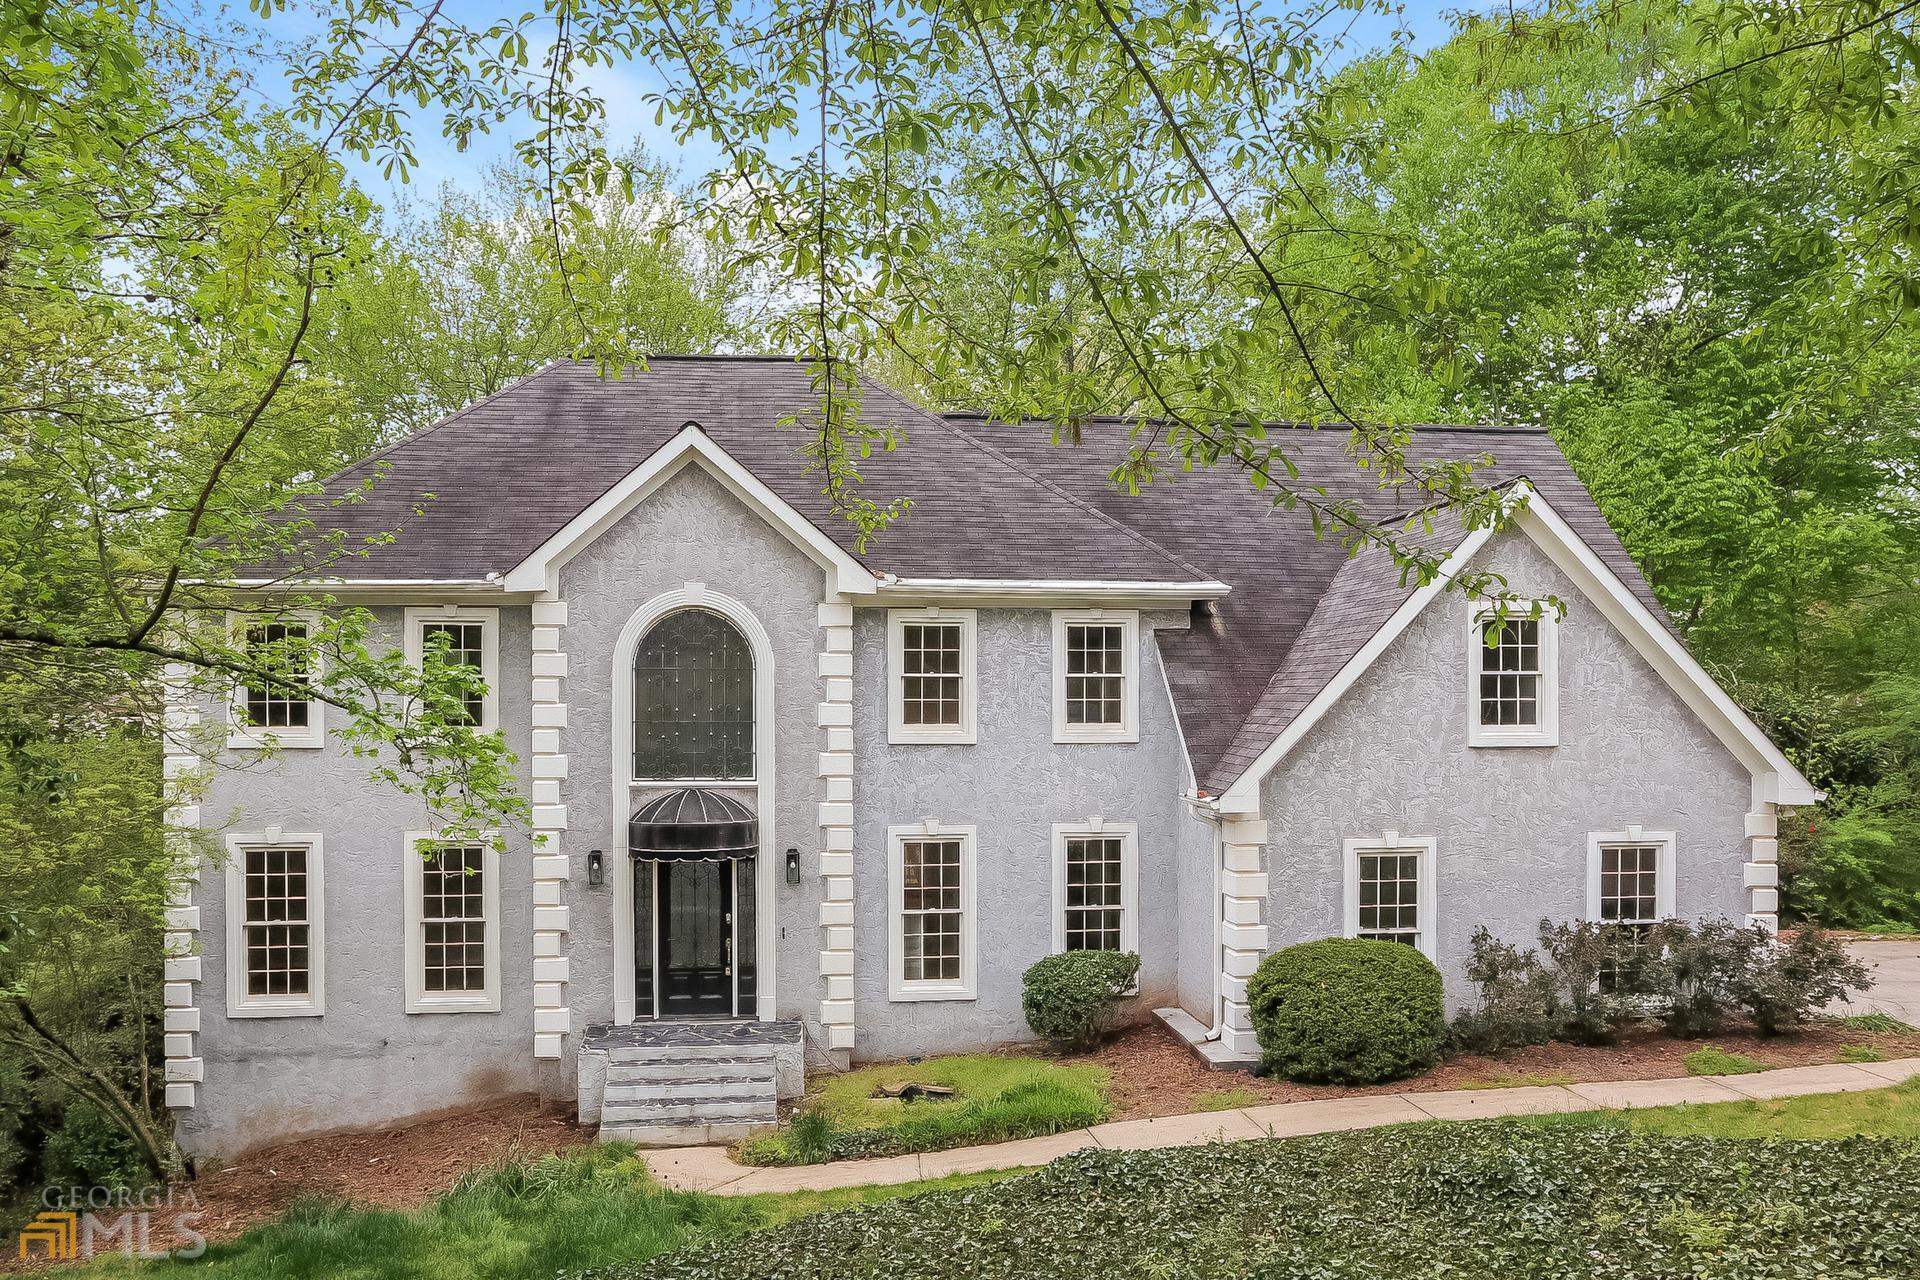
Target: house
point(802, 803)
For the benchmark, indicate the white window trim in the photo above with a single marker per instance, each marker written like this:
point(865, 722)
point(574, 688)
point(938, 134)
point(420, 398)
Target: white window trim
point(1666, 869)
point(899, 732)
point(414, 643)
point(1394, 842)
point(241, 1004)
point(1128, 730)
point(412, 866)
point(1129, 877)
point(1547, 732)
point(241, 734)
point(898, 988)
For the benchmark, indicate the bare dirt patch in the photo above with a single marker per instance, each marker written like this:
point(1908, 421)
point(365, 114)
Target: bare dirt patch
point(1153, 1073)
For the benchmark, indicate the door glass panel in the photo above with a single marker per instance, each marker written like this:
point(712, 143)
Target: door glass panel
point(744, 936)
point(643, 992)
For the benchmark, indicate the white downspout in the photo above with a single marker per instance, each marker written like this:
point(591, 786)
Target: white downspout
point(1219, 996)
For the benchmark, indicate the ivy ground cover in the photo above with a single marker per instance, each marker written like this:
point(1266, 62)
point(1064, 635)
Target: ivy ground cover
point(1576, 1202)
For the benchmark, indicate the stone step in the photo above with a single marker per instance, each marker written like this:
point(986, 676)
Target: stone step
point(681, 1090)
point(696, 1069)
point(683, 1135)
point(670, 1111)
point(635, 1055)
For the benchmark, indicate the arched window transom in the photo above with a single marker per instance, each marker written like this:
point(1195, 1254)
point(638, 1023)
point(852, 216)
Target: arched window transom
point(693, 699)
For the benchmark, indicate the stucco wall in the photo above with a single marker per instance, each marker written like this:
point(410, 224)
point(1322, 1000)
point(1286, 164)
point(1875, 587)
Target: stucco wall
point(691, 530)
point(1013, 785)
point(366, 1060)
point(1511, 822)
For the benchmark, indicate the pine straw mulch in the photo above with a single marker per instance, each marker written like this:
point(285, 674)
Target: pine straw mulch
point(1153, 1073)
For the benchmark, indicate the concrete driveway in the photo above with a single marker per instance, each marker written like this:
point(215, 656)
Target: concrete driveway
point(1896, 980)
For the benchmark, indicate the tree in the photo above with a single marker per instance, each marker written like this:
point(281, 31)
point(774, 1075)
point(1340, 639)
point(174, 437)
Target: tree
point(453, 302)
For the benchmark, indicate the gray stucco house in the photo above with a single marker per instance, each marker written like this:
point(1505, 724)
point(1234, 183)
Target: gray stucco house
point(798, 800)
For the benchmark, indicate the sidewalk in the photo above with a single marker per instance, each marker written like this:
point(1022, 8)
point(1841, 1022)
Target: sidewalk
point(711, 1169)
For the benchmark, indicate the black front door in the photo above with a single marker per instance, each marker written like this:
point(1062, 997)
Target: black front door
point(696, 954)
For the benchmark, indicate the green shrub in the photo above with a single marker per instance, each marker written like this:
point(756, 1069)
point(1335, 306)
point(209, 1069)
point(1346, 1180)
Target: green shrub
point(1347, 1010)
point(1875, 1024)
point(1601, 978)
point(1712, 1061)
point(1072, 999)
point(1698, 969)
point(1516, 1003)
point(89, 1150)
point(1789, 982)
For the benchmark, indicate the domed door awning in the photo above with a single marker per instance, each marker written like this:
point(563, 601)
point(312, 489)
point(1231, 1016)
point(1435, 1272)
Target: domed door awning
point(693, 825)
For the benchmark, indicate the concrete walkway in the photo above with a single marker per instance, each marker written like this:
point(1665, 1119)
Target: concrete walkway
point(1896, 980)
point(711, 1169)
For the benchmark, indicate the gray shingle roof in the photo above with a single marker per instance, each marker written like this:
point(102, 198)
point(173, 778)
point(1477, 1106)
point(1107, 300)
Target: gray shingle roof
point(989, 501)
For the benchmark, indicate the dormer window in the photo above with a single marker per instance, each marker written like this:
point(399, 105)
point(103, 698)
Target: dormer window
point(1513, 675)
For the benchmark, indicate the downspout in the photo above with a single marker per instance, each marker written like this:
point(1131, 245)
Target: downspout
point(1203, 809)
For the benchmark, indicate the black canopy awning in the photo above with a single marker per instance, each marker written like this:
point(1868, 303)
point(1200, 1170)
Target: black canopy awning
point(693, 825)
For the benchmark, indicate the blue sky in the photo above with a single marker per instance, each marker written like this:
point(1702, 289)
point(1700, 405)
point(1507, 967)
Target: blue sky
point(624, 87)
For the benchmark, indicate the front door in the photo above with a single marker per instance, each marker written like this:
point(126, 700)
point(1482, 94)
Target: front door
point(696, 939)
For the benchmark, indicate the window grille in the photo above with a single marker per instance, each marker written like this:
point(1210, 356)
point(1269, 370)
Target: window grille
point(1093, 893)
point(931, 910)
point(693, 699)
point(277, 922)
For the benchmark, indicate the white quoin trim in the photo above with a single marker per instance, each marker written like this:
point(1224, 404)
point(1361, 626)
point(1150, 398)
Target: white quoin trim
point(540, 571)
point(181, 766)
point(1775, 778)
point(834, 721)
point(552, 866)
point(692, 595)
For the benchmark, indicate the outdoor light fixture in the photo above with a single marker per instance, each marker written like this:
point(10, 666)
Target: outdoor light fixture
point(793, 866)
point(596, 867)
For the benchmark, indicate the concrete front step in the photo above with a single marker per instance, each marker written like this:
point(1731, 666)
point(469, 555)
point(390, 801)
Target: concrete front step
point(643, 1054)
point(683, 1135)
point(682, 1090)
point(697, 1069)
point(670, 1112)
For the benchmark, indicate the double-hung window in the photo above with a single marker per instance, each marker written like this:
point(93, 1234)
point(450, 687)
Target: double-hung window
point(1630, 877)
point(452, 891)
point(931, 692)
point(1094, 886)
point(468, 638)
point(273, 705)
point(1390, 890)
point(275, 919)
point(1096, 685)
point(1513, 675)
point(931, 934)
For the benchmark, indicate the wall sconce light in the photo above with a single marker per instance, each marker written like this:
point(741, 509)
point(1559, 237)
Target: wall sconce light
point(596, 867)
point(793, 866)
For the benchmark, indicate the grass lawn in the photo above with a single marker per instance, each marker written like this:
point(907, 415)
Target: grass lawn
point(1879, 1113)
point(996, 1098)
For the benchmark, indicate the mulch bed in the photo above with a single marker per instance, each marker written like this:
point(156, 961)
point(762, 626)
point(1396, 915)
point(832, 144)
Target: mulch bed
point(1153, 1073)
point(397, 1168)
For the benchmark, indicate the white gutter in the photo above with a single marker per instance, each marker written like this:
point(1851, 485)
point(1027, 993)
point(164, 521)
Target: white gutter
point(1049, 589)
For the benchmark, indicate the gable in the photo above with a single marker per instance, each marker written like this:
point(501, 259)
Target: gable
point(540, 570)
point(1308, 686)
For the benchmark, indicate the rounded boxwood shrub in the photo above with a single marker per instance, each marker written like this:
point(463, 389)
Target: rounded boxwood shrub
point(1347, 1010)
point(1071, 999)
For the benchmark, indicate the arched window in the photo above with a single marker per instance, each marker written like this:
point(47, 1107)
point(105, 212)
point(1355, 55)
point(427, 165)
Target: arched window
point(693, 699)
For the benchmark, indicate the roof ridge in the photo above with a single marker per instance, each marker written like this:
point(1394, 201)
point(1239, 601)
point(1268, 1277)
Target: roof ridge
point(1201, 574)
point(1287, 424)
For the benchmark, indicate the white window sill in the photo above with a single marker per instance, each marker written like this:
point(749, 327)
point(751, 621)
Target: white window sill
point(1120, 734)
point(1484, 738)
point(305, 1009)
point(482, 1004)
point(913, 993)
point(263, 739)
point(916, 737)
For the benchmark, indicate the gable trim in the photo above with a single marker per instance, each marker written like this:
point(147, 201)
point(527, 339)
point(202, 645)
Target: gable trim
point(540, 571)
point(1774, 777)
